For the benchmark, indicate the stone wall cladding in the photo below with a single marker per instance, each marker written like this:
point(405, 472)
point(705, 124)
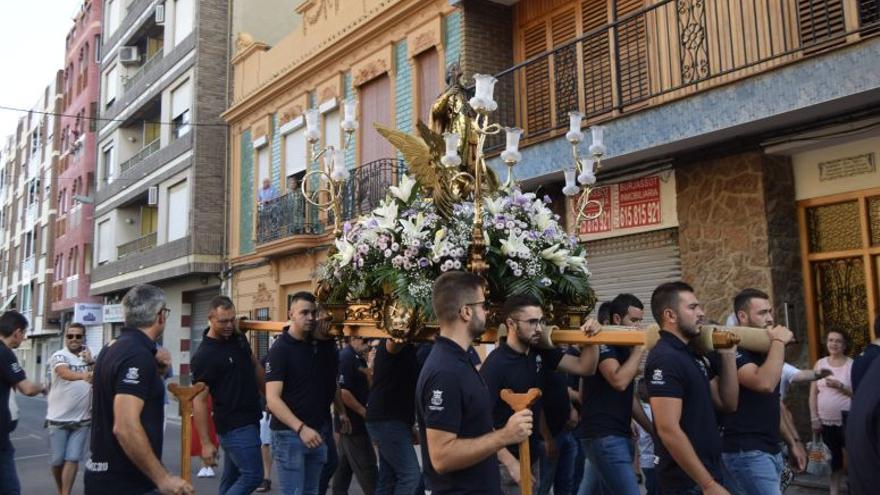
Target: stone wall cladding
point(723, 229)
point(208, 210)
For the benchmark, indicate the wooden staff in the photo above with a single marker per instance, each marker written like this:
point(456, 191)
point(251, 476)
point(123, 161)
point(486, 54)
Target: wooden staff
point(518, 402)
point(184, 399)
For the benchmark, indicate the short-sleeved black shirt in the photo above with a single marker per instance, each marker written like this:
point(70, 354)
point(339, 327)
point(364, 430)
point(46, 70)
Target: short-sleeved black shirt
point(507, 368)
point(862, 362)
point(10, 375)
point(128, 366)
point(863, 434)
point(308, 369)
point(673, 370)
point(392, 397)
point(557, 404)
point(604, 410)
point(227, 368)
point(424, 349)
point(453, 397)
point(755, 424)
point(353, 379)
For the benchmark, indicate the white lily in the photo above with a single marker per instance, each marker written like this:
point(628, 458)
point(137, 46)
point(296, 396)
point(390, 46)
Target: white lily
point(387, 215)
point(578, 263)
point(514, 245)
point(557, 256)
point(345, 251)
point(414, 229)
point(404, 190)
point(493, 206)
point(543, 220)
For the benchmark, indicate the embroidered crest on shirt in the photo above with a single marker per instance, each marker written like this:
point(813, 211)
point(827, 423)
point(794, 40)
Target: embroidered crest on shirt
point(436, 400)
point(657, 377)
point(16, 368)
point(131, 376)
point(702, 365)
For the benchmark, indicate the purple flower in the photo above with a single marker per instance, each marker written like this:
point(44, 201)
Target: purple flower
point(423, 262)
point(346, 228)
point(546, 199)
point(373, 223)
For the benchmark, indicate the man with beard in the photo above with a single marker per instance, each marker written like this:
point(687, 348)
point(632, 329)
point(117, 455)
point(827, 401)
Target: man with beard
point(69, 411)
point(453, 407)
point(518, 365)
point(300, 386)
point(224, 362)
point(609, 406)
point(684, 392)
point(751, 456)
point(128, 407)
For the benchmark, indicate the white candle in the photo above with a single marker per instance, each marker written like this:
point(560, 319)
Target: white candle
point(598, 146)
point(511, 153)
point(587, 176)
point(570, 188)
point(574, 134)
point(313, 133)
point(349, 122)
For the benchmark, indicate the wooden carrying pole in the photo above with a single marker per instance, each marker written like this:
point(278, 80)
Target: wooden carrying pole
point(184, 398)
point(518, 402)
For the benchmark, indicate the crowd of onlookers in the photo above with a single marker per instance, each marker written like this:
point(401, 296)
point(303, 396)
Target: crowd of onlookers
point(323, 411)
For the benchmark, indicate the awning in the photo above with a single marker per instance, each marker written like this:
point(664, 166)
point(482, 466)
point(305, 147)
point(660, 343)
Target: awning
point(8, 301)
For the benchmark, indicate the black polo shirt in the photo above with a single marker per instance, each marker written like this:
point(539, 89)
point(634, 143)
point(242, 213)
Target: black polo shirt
point(424, 349)
point(226, 366)
point(755, 424)
point(861, 364)
point(392, 397)
point(128, 366)
point(453, 397)
point(308, 369)
point(863, 434)
point(353, 379)
point(557, 404)
point(11, 374)
point(604, 410)
point(507, 368)
point(673, 370)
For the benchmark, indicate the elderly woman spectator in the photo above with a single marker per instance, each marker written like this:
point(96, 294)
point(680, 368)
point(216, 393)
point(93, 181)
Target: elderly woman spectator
point(829, 398)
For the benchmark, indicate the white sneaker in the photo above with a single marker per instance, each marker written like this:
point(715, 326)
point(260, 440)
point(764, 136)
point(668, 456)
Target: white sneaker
point(206, 472)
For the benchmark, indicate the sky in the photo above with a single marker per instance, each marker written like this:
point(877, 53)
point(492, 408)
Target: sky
point(32, 36)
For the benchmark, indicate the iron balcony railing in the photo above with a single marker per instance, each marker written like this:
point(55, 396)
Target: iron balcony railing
point(140, 156)
point(136, 246)
point(621, 60)
point(143, 69)
point(291, 214)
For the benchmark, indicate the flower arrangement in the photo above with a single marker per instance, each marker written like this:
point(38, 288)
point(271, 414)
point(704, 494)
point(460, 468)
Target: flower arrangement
point(404, 245)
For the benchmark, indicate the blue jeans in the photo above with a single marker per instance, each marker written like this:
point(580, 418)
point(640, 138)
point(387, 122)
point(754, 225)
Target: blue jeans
point(753, 472)
point(589, 483)
point(331, 462)
point(612, 458)
point(399, 472)
point(558, 473)
point(8, 477)
point(694, 490)
point(243, 466)
point(298, 467)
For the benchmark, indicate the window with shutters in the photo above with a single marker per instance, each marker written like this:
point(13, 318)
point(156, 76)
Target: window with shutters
point(181, 113)
point(375, 106)
point(427, 82)
point(820, 21)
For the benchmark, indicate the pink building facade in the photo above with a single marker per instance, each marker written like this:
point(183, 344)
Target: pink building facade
point(74, 227)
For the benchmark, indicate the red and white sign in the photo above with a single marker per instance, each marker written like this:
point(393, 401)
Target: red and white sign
point(632, 204)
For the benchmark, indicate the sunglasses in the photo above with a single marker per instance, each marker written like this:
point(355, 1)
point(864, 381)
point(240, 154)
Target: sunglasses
point(77, 336)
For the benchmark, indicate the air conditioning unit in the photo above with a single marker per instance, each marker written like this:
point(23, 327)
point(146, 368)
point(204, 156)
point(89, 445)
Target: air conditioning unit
point(129, 55)
point(159, 15)
point(153, 196)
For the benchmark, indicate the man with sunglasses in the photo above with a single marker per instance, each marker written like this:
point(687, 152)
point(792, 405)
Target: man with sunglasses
point(128, 409)
point(69, 412)
point(518, 364)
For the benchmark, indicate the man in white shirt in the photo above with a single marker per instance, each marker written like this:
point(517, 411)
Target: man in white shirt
point(69, 413)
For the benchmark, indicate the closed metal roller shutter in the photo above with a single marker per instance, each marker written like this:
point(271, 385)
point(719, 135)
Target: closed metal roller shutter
point(635, 264)
point(201, 306)
point(95, 339)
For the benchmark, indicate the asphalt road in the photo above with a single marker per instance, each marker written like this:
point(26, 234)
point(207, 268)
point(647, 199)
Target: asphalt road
point(32, 445)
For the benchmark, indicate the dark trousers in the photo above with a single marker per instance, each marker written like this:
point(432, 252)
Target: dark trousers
point(356, 456)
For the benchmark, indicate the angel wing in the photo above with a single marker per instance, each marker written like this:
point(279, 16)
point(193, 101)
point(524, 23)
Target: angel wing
point(415, 152)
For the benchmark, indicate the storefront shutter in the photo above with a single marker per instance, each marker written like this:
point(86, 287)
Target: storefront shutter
point(634, 264)
point(95, 339)
point(201, 306)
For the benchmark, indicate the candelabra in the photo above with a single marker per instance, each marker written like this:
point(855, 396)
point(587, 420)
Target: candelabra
point(583, 169)
point(330, 173)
